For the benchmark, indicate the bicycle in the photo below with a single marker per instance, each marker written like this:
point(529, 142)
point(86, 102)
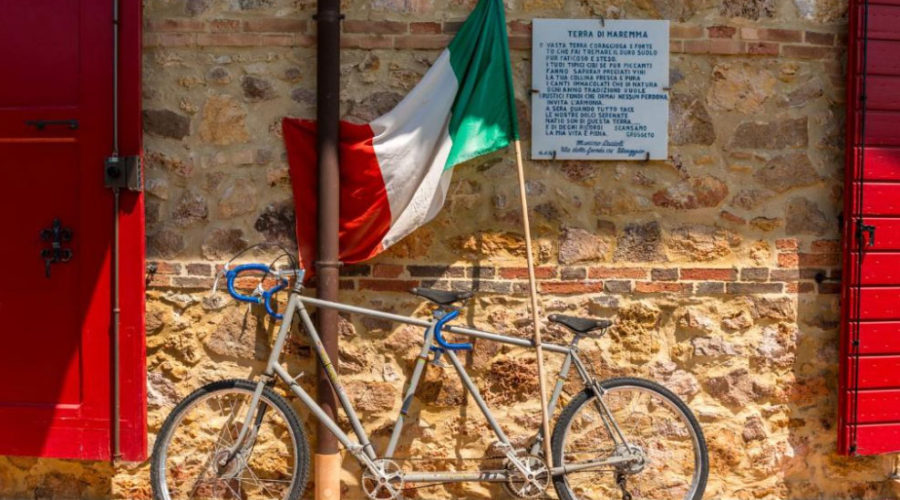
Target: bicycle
point(244, 440)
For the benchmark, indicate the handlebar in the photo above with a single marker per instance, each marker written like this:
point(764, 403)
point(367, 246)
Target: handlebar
point(265, 296)
point(440, 339)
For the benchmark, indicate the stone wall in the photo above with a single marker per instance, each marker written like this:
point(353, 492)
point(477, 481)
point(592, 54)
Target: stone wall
point(720, 265)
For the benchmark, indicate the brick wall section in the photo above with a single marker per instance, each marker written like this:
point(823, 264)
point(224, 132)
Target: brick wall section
point(716, 39)
point(815, 270)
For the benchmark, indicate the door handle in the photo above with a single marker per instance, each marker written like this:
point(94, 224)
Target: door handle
point(56, 235)
point(42, 124)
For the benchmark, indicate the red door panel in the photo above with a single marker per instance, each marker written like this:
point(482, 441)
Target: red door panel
point(881, 163)
point(878, 406)
point(876, 372)
point(877, 268)
point(880, 198)
point(878, 337)
point(55, 362)
point(869, 396)
point(872, 439)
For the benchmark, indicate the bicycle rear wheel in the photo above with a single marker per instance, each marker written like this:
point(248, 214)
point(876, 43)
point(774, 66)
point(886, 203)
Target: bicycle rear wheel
point(655, 423)
point(191, 456)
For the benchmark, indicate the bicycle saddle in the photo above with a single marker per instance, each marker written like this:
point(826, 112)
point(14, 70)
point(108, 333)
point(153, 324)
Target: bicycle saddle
point(580, 325)
point(441, 297)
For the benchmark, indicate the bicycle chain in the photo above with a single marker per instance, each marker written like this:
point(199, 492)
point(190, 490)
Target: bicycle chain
point(442, 483)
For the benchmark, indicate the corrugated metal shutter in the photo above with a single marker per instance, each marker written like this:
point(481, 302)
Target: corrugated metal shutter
point(869, 419)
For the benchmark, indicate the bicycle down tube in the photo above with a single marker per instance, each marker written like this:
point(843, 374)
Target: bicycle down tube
point(363, 450)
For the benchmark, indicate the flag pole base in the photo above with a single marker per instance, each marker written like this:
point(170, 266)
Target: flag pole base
point(327, 469)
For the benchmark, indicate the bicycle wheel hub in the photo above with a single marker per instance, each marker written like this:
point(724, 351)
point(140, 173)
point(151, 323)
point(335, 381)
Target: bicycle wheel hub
point(385, 482)
point(638, 462)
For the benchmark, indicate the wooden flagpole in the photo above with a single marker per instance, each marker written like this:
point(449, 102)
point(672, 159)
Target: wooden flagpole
point(535, 314)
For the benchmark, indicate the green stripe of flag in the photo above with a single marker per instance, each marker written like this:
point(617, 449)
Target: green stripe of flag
point(484, 111)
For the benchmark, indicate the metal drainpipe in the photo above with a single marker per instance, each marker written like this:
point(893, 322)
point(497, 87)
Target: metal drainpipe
point(328, 17)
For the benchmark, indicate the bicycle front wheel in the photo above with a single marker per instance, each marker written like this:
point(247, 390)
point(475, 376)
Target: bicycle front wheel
point(656, 425)
point(195, 454)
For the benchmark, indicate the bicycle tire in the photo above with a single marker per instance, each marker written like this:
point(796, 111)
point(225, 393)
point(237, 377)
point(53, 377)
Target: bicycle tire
point(301, 463)
point(562, 424)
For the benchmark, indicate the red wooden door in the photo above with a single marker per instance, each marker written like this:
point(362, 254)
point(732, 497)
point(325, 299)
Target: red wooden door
point(55, 397)
point(869, 419)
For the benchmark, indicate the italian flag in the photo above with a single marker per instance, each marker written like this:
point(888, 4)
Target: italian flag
point(395, 170)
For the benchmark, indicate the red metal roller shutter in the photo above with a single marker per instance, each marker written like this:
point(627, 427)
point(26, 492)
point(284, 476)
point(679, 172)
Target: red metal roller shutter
point(869, 418)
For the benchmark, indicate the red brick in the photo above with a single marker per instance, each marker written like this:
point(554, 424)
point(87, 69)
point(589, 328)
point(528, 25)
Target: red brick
point(807, 52)
point(374, 27)
point(784, 274)
point(229, 40)
point(788, 260)
point(387, 285)
point(676, 46)
point(754, 288)
point(678, 30)
point(520, 42)
point(521, 273)
point(829, 287)
point(696, 46)
point(825, 246)
point(762, 48)
point(346, 284)
point(618, 272)
point(366, 42)
point(425, 28)
point(451, 27)
point(160, 281)
point(661, 286)
point(275, 25)
point(724, 46)
point(703, 274)
point(199, 269)
point(570, 287)
point(225, 25)
point(777, 35)
point(721, 31)
point(518, 28)
point(664, 274)
point(167, 267)
point(422, 42)
point(177, 24)
point(169, 39)
point(386, 270)
point(787, 244)
point(819, 259)
point(818, 38)
point(282, 40)
point(436, 271)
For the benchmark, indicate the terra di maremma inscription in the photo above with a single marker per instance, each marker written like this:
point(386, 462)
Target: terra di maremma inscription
point(600, 89)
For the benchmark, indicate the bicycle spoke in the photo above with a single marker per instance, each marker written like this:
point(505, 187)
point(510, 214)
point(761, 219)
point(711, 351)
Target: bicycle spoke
point(199, 462)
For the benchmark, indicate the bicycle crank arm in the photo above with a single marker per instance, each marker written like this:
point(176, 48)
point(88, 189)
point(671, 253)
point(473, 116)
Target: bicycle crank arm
point(576, 467)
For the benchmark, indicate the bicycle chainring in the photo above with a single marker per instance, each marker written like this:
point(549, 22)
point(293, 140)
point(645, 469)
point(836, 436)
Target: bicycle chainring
point(529, 485)
point(385, 483)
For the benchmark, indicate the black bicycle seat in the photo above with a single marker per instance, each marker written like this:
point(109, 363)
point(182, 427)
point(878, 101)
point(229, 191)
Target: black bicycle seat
point(580, 325)
point(441, 297)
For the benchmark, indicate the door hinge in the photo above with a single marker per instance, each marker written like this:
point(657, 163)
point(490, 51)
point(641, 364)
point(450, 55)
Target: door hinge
point(123, 172)
point(865, 228)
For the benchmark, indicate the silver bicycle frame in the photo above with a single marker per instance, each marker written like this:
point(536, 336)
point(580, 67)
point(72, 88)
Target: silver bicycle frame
point(363, 449)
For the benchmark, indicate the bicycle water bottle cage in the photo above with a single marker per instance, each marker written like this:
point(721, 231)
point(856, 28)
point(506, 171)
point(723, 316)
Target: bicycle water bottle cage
point(442, 319)
point(265, 298)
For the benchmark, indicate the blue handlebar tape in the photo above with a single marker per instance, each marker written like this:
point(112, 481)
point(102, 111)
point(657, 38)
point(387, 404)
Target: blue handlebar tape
point(440, 339)
point(266, 298)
